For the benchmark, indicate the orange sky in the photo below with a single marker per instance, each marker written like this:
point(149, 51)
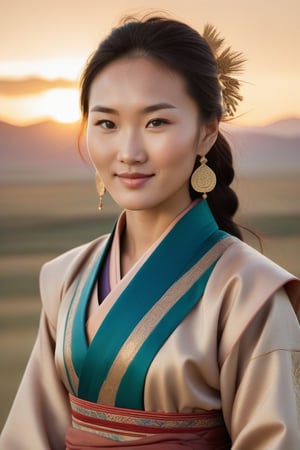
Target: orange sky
point(52, 39)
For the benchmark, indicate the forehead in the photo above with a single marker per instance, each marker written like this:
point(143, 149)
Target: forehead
point(137, 75)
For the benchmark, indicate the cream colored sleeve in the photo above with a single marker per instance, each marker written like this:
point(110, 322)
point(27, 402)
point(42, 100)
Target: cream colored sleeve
point(40, 412)
point(260, 381)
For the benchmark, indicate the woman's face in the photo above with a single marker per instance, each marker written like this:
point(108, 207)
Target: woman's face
point(143, 134)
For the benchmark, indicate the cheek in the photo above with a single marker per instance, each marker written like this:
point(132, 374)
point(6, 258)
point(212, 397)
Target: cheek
point(178, 149)
point(90, 143)
point(95, 147)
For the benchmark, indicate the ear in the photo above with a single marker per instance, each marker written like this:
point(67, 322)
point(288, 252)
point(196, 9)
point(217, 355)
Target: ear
point(207, 137)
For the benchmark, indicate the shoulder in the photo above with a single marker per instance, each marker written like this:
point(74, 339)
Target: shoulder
point(243, 282)
point(252, 278)
point(72, 259)
point(241, 261)
point(59, 274)
point(245, 278)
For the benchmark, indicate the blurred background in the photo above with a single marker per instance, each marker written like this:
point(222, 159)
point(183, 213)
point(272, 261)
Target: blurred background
point(47, 195)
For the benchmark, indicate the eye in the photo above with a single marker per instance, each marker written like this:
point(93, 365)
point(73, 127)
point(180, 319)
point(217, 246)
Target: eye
point(155, 123)
point(106, 124)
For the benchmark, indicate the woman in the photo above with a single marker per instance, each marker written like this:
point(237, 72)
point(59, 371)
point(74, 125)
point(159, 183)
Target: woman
point(170, 332)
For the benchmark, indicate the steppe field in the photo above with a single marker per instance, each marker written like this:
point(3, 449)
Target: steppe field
point(40, 220)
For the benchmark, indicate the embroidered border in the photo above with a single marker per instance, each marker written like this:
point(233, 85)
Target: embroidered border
point(296, 379)
point(122, 424)
point(145, 327)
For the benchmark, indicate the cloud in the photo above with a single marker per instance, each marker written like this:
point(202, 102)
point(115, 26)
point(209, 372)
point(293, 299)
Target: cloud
point(31, 86)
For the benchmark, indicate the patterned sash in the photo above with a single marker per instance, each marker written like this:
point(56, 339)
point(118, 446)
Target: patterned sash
point(102, 426)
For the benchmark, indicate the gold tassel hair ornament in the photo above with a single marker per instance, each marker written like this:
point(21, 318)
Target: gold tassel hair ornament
point(204, 178)
point(229, 63)
point(100, 189)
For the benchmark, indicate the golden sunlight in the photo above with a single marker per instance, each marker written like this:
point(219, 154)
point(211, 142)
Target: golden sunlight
point(60, 105)
point(49, 69)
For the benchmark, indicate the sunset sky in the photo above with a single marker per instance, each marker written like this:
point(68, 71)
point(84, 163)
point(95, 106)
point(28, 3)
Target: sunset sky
point(44, 45)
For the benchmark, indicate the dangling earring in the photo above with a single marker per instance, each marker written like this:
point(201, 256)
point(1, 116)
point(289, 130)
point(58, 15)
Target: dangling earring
point(204, 178)
point(100, 189)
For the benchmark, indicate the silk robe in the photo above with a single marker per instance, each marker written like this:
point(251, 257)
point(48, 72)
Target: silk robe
point(238, 350)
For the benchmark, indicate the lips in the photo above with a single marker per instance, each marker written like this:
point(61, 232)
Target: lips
point(134, 180)
point(134, 176)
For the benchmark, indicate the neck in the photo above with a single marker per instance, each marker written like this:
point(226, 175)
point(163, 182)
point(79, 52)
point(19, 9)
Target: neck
point(143, 229)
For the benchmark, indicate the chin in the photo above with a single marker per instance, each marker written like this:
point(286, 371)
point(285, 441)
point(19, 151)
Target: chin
point(135, 207)
point(133, 204)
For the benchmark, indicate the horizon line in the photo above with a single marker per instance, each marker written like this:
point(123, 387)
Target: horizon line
point(233, 122)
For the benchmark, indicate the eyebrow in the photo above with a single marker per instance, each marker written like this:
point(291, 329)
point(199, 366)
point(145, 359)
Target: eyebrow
point(146, 110)
point(157, 107)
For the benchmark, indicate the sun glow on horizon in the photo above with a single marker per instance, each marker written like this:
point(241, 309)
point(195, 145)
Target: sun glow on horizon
point(60, 105)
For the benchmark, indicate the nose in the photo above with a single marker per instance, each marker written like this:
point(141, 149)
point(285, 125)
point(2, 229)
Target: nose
point(131, 147)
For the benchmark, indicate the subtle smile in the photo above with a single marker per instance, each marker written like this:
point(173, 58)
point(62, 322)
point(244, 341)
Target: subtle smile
point(134, 180)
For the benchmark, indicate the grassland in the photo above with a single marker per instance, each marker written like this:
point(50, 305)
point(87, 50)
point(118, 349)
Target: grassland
point(41, 220)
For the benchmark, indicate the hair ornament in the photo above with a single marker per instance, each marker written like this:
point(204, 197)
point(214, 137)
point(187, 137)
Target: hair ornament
point(229, 63)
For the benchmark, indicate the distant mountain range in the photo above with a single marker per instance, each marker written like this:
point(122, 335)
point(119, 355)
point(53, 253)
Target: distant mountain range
point(267, 150)
point(43, 150)
point(50, 149)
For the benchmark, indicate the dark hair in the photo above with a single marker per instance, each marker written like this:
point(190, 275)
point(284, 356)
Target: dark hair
point(181, 48)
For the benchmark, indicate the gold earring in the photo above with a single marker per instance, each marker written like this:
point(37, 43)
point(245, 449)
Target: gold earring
point(100, 189)
point(204, 178)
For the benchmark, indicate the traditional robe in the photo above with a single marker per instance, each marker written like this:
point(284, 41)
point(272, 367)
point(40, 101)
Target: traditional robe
point(234, 349)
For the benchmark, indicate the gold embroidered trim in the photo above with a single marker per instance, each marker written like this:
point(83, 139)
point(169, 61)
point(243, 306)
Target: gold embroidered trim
point(122, 424)
point(296, 379)
point(67, 349)
point(145, 327)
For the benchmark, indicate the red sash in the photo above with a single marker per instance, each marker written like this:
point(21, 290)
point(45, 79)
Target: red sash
point(105, 427)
